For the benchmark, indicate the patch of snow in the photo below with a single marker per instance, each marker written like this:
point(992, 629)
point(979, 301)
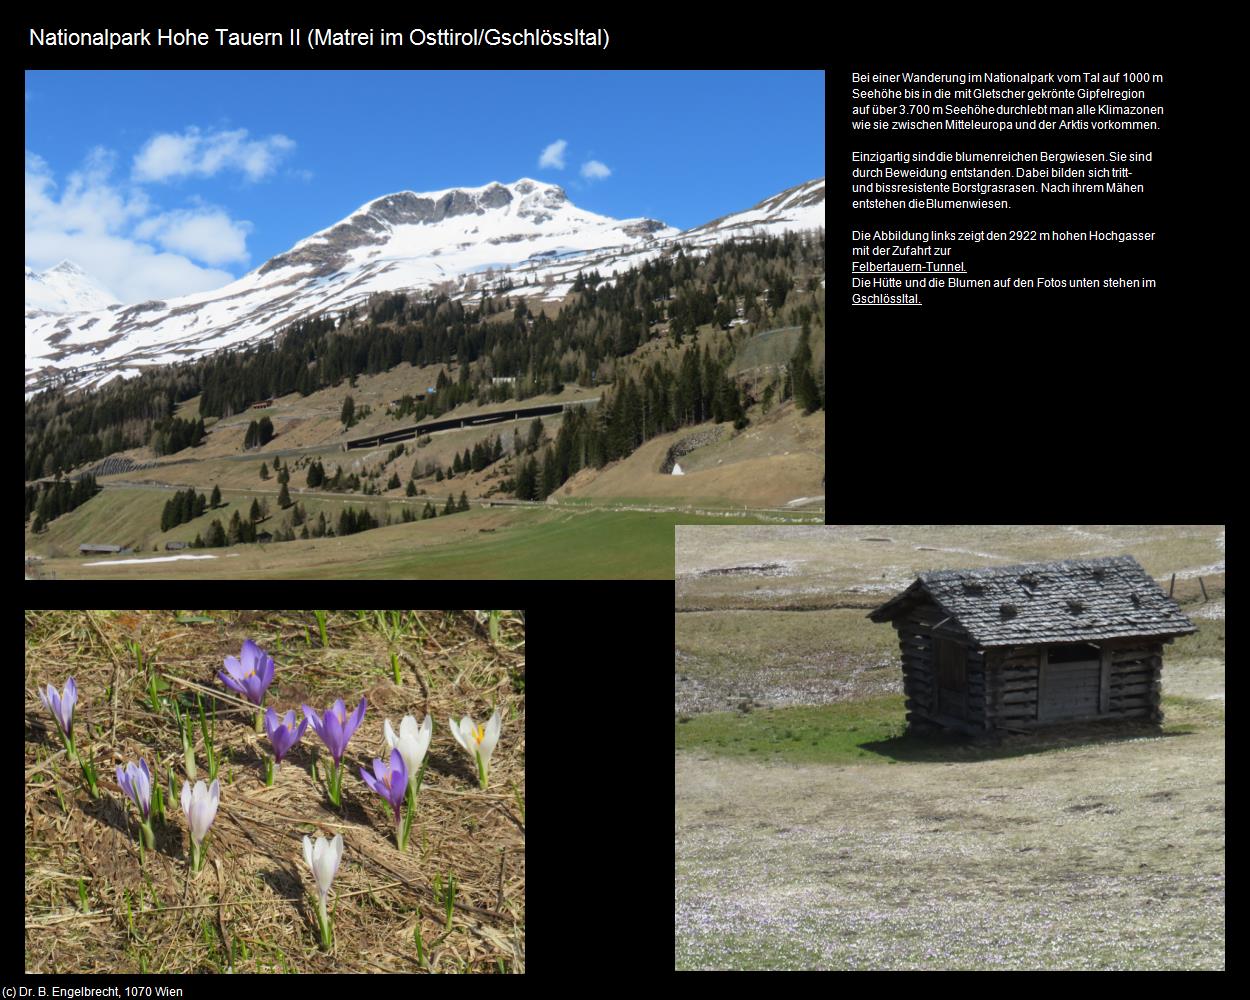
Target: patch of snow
point(964, 552)
point(1189, 574)
point(123, 562)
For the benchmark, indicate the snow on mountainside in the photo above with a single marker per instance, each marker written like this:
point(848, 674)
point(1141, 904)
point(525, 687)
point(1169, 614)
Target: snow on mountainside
point(64, 288)
point(799, 207)
point(399, 242)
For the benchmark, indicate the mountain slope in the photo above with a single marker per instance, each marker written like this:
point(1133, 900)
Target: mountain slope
point(405, 241)
point(64, 288)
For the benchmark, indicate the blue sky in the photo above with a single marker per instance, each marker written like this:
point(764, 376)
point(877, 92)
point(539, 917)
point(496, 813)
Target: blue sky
point(163, 183)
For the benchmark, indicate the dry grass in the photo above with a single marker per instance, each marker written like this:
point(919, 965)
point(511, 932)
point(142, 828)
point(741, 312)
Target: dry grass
point(252, 908)
point(1097, 856)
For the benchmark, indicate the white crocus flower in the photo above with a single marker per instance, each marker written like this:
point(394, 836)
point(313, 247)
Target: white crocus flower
point(412, 742)
point(324, 861)
point(200, 808)
point(478, 741)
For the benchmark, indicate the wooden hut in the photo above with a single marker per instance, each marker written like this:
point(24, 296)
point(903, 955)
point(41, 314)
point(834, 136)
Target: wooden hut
point(1015, 647)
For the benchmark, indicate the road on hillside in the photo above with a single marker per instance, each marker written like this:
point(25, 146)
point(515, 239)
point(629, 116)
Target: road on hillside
point(408, 433)
point(455, 423)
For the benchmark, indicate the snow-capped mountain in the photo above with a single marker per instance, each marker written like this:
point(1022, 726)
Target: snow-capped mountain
point(457, 240)
point(64, 288)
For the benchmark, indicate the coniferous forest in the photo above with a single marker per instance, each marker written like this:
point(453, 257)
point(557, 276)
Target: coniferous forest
point(589, 341)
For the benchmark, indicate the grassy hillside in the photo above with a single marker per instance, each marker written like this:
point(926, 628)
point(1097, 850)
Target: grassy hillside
point(502, 543)
point(132, 518)
point(776, 459)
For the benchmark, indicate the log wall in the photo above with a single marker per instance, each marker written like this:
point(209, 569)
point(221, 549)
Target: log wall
point(917, 632)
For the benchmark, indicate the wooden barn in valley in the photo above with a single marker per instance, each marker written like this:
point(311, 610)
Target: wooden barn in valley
point(1015, 647)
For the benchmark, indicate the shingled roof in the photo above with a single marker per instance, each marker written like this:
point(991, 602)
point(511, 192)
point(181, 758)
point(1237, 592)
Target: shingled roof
point(1070, 601)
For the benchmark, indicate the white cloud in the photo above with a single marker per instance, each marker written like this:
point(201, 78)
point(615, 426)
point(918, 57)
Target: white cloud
point(89, 204)
point(553, 155)
point(119, 238)
point(209, 234)
point(195, 153)
point(593, 170)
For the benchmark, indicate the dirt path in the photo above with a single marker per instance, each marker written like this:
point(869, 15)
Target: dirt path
point(1098, 857)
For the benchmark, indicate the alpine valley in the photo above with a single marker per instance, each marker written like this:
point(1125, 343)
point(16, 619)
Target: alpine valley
point(569, 386)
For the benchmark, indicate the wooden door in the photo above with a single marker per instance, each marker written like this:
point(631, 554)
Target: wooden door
point(1071, 683)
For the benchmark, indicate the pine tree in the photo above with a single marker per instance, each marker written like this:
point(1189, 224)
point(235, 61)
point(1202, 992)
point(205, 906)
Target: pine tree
point(320, 530)
point(464, 501)
point(527, 480)
point(393, 483)
point(547, 481)
point(806, 392)
point(215, 502)
point(216, 535)
point(412, 489)
point(348, 412)
point(284, 476)
point(456, 467)
point(235, 533)
point(166, 513)
point(304, 532)
point(297, 515)
point(264, 431)
point(255, 512)
point(450, 508)
point(37, 525)
point(438, 474)
point(466, 463)
point(284, 498)
point(264, 471)
point(249, 439)
point(199, 541)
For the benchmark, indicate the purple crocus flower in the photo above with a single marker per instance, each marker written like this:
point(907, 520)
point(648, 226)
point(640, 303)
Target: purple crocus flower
point(283, 735)
point(136, 782)
point(390, 780)
point(61, 706)
point(335, 727)
point(253, 676)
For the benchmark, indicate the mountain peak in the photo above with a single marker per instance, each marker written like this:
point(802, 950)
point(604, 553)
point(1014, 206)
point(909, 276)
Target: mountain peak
point(64, 288)
point(508, 213)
